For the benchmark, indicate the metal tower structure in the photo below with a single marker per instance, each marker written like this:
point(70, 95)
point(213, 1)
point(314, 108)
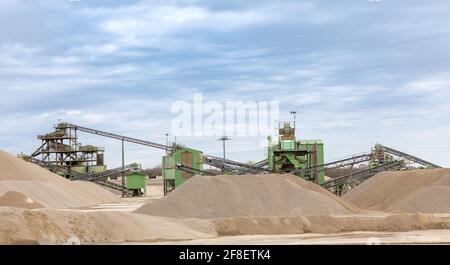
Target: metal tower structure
point(61, 148)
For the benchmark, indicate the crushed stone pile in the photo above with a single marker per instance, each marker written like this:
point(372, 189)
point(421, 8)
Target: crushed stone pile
point(47, 188)
point(416, 191)
point(18, 199)
point(55, 226)
point(211, 197)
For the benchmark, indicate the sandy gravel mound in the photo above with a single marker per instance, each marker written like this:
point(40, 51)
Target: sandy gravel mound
point(209, 197)
point(20, 200)
point(424, 191)
point(330, 224)
point(47, 188)
point(53, 226)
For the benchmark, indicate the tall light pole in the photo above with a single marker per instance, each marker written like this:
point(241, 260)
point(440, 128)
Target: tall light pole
point(293, 112)
point(123, 168)
point(167, 142)
point(224, 139)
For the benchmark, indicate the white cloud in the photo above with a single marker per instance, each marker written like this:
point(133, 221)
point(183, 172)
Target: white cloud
point(329, 61)
point(95, 118)
point(25, 68)
point(95, 50)
point(17, 54)
point(73, 112)
point(165, 20)
point(429, 85)
point(11, 4)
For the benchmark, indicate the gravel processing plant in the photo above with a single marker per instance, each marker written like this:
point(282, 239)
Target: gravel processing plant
point(64, 193)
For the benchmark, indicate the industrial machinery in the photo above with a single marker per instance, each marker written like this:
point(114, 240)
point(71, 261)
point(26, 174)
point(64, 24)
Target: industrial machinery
point(179, 165)
point(86, 162)
point(290, 154)
point(175, 154)
point(61, 150)
point(344, 183)
point(381, 158)
point(136, 181)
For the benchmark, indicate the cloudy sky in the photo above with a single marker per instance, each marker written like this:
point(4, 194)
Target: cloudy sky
point(358, 72)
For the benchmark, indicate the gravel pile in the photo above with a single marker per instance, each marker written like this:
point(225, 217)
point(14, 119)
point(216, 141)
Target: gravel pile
point(417, 191)
point(47, 188)
point(210, 197)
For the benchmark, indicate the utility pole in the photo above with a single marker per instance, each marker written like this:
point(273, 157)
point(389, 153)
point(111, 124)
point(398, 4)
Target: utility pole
point(224, 139)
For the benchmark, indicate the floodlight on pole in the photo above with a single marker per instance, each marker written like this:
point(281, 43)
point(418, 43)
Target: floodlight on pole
point(224, 139)
point(293, 112)
point(167, 142)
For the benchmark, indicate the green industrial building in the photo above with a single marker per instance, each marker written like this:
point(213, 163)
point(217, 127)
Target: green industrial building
point(136, 181)
point(172, 175)
point(288, 154)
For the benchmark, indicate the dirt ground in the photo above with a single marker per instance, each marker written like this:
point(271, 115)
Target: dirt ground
point(154, 192)
point(128, 205)
point(436, 236)
point(439, 236)
point(360, 238)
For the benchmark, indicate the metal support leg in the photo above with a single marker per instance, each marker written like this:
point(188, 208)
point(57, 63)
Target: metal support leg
point(123, 166)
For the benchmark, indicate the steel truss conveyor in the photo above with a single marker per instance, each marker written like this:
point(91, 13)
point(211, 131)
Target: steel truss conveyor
point(119, 137)
point(308, 172)
point(334, 184)
point(405, 156)
point(104, 174)
point(227, 164)
point(194, 171)
point(260, 166)
point(100, 178)
point(218, 162)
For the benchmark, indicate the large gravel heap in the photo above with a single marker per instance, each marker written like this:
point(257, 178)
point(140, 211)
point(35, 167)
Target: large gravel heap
point(424, 191)
point(49, 189)
point(209, 197)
